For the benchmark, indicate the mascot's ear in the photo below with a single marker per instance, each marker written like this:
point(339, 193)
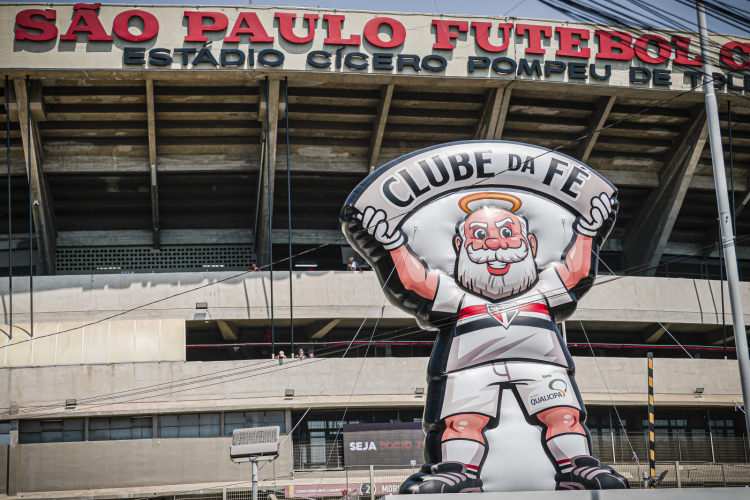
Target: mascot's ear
point(457, 243)
point(533, 243)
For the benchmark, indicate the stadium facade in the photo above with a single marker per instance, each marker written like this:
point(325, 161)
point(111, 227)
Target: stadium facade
point(152, 195)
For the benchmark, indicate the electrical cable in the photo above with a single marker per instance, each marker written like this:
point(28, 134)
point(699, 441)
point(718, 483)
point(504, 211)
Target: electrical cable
point(731, 15)
point(652, 346)
point(410, 330)
point(269, 193)
point(339, 239)
point(336, 346)
point(627, 18)
point(136, 308)
point(323, 344)
point(373, 331)
point(289, 214)
point(10, 211)
point(349, 401)
point(737, 405)
point(31, 201)
point(241, 370)
point(366, 318)
point(731, 166)
point(171, 392)
point(302, 418)
point(387, 220)
point(612, 13)
point(168, 387)
point(721, 282)
point(609, 393)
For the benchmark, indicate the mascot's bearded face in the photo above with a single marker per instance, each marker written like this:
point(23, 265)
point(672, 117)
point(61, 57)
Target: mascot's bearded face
point(495, 253)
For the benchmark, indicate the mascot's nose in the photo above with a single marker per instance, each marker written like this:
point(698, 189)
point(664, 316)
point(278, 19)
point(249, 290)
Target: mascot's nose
point(495, 243)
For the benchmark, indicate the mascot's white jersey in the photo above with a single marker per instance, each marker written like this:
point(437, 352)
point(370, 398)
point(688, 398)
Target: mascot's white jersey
point(517, 329)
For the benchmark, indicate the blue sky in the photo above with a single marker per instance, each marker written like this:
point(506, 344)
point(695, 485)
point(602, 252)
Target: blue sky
point(516, 8)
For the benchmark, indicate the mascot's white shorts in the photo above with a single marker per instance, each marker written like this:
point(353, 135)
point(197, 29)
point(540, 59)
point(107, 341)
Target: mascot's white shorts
point(539, 387)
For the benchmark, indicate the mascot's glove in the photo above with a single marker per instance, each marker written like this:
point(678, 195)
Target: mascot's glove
point(601, 210)
point(376, 223)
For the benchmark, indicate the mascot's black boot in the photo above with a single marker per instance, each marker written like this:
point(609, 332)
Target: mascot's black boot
point(445, 477)
point(588, 473)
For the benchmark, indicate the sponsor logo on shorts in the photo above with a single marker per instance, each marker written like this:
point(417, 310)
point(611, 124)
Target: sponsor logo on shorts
point(559, 385)
point(559, 389)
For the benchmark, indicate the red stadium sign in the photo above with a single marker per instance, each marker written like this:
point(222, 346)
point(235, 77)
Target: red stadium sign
point(237, 38)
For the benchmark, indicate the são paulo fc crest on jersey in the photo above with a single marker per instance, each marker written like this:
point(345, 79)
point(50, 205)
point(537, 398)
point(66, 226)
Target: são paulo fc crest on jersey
point(504, 313)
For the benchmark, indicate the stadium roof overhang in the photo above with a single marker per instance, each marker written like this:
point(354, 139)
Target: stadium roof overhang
point(148, 123)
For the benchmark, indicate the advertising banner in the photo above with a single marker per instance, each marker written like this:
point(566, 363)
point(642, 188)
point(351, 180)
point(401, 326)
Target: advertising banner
point(340, 489)
point(383, 444)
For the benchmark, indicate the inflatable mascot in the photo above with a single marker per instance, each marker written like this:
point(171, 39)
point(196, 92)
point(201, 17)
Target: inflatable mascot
point(491, 243)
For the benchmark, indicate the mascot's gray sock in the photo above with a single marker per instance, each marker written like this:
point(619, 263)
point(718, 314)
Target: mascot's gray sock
point(567, 446)
point(467, 452)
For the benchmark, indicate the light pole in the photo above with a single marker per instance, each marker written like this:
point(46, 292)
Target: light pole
point(725, 215)
point(255, 444)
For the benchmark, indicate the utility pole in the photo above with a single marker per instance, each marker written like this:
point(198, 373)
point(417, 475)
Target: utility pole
point(650, 479)
point(725, 215)
point(651, 440)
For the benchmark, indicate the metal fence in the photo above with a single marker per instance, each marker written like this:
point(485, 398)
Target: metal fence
point(680, 447)
point(320, 453)
point(386, 479)
point(679, 475)
point(357, 483)
point(688, 474)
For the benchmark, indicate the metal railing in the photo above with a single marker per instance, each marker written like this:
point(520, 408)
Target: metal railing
point(318, 454)
point(365, 483)
point(680, 447)
point(688, 474)
point(386, 480)
point(608, 446)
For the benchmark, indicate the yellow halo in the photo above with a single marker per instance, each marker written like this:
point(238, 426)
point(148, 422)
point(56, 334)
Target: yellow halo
point(464, 202)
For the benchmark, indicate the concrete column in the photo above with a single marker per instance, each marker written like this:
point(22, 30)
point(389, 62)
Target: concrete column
point(288, 419)
point(152, 161)
point(290, 443)
point(14, 458)
point(43, 210)
point(372, 482)
point(4, 470)
point(711, 436)
point(376, 139)
point(648, 233)
point(265, 192)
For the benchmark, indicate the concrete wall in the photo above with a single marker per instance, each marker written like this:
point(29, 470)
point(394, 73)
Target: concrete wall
point(211, 386)
point(101, 343)
point(385, 382)
point(92, 297)
point(327, 295)
point(141, 462)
